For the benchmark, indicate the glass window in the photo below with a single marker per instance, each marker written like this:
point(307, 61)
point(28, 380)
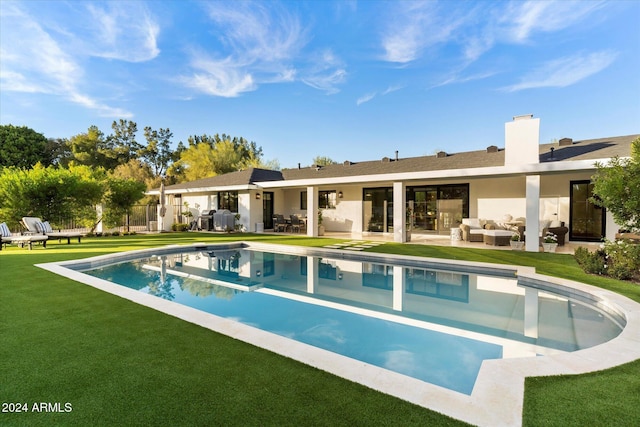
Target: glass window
point(228, 200)
point(327, 199)
point(303, 200)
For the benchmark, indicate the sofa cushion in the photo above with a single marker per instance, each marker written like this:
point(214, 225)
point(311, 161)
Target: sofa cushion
point(555, 224)
point(472, 222)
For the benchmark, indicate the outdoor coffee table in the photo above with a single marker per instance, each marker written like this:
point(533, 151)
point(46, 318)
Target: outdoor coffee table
point(497, 237)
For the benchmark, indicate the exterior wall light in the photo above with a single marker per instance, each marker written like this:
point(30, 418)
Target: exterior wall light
point(258, 195)
point(339, 194)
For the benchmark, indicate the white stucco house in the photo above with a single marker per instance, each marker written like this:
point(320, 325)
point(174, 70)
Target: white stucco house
point(524, 179)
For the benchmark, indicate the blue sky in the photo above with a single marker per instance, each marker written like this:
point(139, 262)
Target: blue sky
point(351, 80)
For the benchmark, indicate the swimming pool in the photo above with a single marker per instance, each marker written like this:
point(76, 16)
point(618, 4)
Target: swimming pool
point(432, 320)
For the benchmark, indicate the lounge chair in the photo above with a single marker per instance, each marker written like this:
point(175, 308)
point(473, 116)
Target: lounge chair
point(21, 240)
point(36, 226)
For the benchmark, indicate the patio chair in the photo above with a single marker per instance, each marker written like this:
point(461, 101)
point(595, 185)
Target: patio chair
point(296, 223)
point(279, 223)
point(35, 226)
point(7, 237)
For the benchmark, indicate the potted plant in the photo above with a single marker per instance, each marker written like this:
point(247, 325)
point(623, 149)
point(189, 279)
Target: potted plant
point(550, 242)
point(320, 226)
point(516, 243)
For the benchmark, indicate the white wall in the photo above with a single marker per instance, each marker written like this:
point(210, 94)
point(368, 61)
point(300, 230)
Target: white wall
point(347, 216)
point(554, 197)
point(198, 202)
point(245, 199)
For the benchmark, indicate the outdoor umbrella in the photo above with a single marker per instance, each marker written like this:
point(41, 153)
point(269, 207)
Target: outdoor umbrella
point(163, 208)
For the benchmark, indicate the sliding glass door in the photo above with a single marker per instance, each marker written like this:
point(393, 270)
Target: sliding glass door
point(378, 209)
point(438, 208)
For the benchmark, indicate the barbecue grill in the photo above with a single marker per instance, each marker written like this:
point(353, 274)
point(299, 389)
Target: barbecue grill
point(205, 220)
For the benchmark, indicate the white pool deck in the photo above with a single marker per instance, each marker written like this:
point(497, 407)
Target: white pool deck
point(497, 397)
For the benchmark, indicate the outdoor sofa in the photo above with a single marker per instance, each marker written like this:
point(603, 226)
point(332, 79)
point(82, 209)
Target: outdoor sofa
point(488, 231)
point(497, 233)
point(35, 226)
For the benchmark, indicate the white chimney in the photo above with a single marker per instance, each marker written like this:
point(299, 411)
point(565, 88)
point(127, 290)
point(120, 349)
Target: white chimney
point(522, 140)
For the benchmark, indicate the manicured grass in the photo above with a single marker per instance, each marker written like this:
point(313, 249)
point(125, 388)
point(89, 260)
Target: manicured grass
point(119, 363)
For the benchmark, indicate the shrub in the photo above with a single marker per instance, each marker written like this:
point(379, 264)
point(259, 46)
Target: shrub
point(178, 226)
point(591, 262)
point(623, 259)
point(619, 259)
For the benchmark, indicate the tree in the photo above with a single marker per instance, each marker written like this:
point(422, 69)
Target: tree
point(141, 172)
point(616, 187)
point(59, 151)
point(323, 161)
point(91, 149)
point(226, 157)
point(245, 148)
point(122, 146)
point(22, 147)
point(157, 153)
point(119, 197)
point(195, 162)
point(51, 193)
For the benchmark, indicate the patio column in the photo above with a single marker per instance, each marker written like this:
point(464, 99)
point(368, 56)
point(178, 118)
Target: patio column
point(312, 274)
point(533, 212)
point(399, 285)
point(399, 217)
point(531, 312)
point(312, 211)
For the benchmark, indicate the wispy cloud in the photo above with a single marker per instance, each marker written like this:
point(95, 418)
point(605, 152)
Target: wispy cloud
point(414, 26)
point(565, 71)
point(369, 96)
point(255, 45)
point(325, 72)
point(391, 89)
point(457, 78)
point(123, 31)
point(36, 59)
point(365, 98)
point(219, 78)
point(522, 19)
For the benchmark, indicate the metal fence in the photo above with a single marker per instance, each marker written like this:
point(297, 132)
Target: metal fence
point(141, 218)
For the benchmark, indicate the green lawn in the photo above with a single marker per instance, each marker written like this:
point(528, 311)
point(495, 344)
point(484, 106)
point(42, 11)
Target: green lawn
point(118, 363)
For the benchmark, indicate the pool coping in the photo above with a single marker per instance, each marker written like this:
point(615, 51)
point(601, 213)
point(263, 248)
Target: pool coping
point(497, 397)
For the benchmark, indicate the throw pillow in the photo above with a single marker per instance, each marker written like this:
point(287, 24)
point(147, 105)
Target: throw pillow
point(555, 224)
point(4, 230)
point(39, 226)
point(47, 227)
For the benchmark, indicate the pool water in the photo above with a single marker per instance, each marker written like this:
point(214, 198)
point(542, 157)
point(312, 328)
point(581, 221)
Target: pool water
point(431, 324)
